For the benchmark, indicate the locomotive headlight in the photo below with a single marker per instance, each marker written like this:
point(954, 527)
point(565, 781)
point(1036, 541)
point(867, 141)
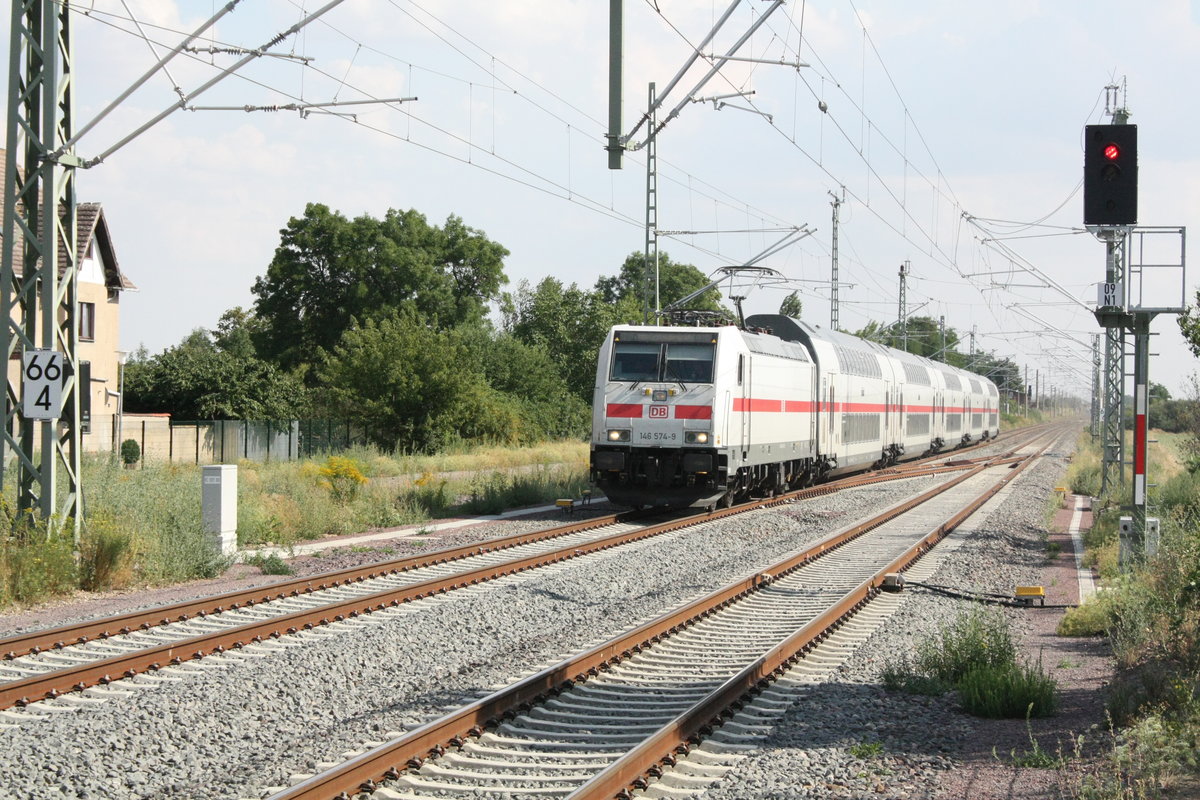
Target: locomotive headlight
point(695, 437)
point(618, 435)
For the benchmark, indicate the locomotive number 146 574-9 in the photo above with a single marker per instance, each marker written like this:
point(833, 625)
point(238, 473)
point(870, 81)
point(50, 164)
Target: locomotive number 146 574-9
point(654, 436)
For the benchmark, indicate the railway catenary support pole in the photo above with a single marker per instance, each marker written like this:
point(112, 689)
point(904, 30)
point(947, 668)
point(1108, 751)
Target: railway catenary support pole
point(650, 253)
point(833, 289)
point(616, 67)
point(903, 311)
point(38, 269)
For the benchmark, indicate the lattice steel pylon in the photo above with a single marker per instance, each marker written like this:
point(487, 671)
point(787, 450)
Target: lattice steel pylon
point(650, 297)
point(1112, 434)
point(39, 281)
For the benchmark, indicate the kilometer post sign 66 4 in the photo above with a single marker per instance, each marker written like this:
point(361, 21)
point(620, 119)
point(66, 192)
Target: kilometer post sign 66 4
point(42, 380)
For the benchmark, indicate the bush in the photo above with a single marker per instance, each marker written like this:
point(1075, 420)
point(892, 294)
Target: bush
point(270, 565)
point(1007, 691)
point(1181, 493)
point(35, 567)
point(975, 654)
point(977, 638)
point(1089, 619)
point(130, 452)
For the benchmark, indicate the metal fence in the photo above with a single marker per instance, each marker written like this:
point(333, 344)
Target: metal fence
point(225, 441)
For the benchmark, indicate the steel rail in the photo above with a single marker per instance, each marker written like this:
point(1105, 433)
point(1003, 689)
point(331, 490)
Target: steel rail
point(34, 642)
point(56, 638)
point(79, 633)
point(51, 684)
point(364, 772)
point(639, 766)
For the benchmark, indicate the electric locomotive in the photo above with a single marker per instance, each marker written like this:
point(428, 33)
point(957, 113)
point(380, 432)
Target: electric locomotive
point(704, 416)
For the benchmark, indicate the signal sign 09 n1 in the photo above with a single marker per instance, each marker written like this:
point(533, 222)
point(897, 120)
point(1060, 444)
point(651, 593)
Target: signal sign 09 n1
point(1110, 175)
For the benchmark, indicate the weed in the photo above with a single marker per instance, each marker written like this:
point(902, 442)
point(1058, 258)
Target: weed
point(343, 477)
point(1008, 691)
point(1036, 757)
point(270, 565)
point(144, 525)
point(105, 555)
point(903, 678)
point(864, 749)
point(975, 654)
point(34, 567)
point(977, 638)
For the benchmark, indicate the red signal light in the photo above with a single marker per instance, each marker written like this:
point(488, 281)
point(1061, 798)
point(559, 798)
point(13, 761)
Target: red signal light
point(1112, 152)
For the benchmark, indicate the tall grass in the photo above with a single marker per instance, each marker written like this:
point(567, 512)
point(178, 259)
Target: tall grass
point(1151, 615)
point(143, 527)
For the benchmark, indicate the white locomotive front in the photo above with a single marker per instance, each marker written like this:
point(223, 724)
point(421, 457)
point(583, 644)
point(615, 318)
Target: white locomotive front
point(697, 416)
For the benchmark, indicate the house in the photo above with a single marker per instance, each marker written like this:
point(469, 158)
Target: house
point(101, 284)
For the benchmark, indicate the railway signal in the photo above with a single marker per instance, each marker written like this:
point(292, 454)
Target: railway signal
point(1110, 175)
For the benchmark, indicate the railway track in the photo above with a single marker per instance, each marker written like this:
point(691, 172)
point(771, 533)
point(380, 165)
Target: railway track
point(58, 662)
point(613, 718)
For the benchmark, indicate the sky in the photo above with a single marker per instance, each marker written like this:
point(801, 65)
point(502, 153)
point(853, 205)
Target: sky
point(952, 130)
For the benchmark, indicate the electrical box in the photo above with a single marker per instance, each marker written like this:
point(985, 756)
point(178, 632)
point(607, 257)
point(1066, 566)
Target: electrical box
point(218, 505)
point(1126, 554)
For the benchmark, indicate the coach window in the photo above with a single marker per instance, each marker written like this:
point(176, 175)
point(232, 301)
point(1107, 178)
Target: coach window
point(690, 363)
point(635, 361)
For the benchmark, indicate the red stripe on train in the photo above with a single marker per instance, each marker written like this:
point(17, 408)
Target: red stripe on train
point(754, 404)
point(627, 410)
point(693, 412)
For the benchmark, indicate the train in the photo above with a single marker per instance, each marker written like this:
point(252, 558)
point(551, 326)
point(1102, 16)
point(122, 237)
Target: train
point(706, 416)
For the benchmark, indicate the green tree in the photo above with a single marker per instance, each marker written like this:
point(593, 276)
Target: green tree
point(330, 272)
point(792, 306)
point(1189, 326)
point(235, 333)
point(528, 375)
point(675, 281)
point(568, 324)
point(196, 379)
point(923, 338)
point(401, 377)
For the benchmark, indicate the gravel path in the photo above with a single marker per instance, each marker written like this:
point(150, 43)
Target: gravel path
point(232, 726)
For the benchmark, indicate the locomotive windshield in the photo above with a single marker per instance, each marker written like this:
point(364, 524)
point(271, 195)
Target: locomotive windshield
point(663, 361)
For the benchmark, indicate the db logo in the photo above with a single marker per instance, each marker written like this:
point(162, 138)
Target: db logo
point(658, 412)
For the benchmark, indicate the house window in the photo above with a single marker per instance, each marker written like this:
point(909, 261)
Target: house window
point(87, 321)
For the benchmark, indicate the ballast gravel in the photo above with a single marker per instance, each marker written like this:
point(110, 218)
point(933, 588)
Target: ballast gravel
point(231, 726)
point(849, 737)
